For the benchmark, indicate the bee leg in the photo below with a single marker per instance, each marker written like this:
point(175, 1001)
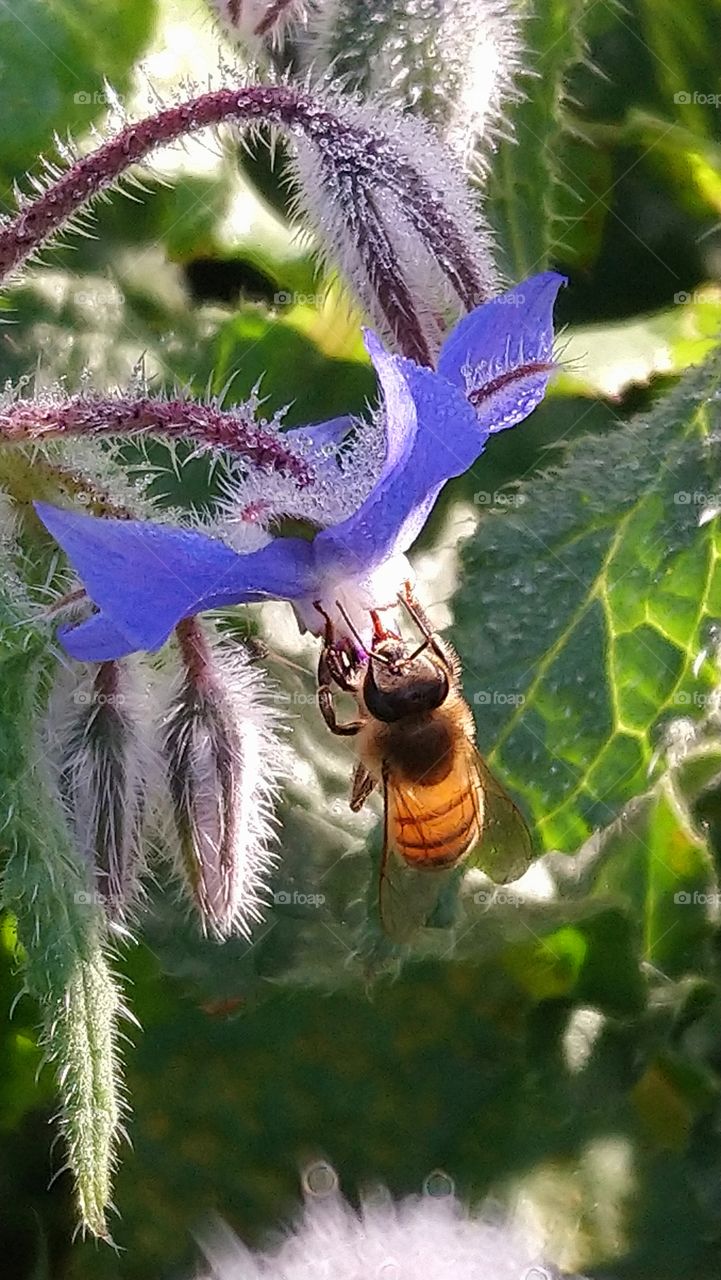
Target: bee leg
point(363, 785)
point(327, 710)
point(334, 665)
point(326, 676)
point(441, 648)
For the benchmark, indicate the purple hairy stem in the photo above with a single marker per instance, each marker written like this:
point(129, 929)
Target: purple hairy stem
point(196, 654)
point(94, 415)
point(360, 155)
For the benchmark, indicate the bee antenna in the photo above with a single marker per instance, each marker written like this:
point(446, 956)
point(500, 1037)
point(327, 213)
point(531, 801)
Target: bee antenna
point(344, 615)
point(420, 622)
point(416, 653)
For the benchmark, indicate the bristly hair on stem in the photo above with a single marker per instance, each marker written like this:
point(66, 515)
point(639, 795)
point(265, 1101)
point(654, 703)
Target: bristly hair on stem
point(54, 415)
point(377, 189)
point(223, 760)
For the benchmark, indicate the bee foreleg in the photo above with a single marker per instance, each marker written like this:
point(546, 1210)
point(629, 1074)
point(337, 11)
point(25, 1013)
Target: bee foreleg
point(333, 669)
point(363, 785)
point(441, 648)
point(327, 710)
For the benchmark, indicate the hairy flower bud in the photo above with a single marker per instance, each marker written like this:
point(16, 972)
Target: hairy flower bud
point(452, 61)
point(376, 187)
point(99, 738)
point(431, 1234)
point(223, 758)
point(259, 23)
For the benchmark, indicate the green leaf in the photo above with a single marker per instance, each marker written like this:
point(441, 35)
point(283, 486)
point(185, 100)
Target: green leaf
point(661, 870)
point(303, 360)
point(527, 170)
point(583, 612)
point(687, 161)
point(682, 41)
point(60, 928)
point(54, 57)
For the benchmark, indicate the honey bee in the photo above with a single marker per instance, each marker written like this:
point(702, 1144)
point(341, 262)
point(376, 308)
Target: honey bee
point(415, 738)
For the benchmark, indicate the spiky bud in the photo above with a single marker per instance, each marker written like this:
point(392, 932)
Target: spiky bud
point(452, 61)
point(99, 735)
point(223, 759)
point(377, 188)
point(430, 1234)
point(258, 23)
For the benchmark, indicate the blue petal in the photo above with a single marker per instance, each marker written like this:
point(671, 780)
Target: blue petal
point(489, 351)
point(323, 444)
point(146, 577)
point(433, 434)
point(96, 640)
point(320, 434)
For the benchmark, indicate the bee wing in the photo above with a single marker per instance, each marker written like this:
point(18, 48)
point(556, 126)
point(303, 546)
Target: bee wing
point(407, 897)
point(505, 849)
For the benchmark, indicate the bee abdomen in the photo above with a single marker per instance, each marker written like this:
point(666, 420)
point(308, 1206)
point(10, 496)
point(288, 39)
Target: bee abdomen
point(439, 828)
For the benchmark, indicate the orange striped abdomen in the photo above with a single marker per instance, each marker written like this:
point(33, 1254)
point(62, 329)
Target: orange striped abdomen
point(434, 826)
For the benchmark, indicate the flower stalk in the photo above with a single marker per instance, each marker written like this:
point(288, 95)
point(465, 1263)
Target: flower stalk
point(379, 190)
point(91, 415)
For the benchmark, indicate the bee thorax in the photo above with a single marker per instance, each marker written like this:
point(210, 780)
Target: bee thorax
point(420, 750)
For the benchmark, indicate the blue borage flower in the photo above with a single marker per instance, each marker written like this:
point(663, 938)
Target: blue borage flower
point(144, 578)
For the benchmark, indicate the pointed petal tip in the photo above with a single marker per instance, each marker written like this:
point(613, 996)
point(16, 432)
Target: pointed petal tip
point(372, 343)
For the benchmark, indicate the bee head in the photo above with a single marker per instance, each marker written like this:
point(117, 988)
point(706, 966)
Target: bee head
point(396, 685)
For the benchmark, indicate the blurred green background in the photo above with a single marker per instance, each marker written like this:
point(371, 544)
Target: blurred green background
point(549, 1071)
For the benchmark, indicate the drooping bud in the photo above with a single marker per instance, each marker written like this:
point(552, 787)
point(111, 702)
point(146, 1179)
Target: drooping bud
point(429, 1234)
point(391, 209)
point(99, 739)
point(259, 23)
point(452, 61)
point(223, 761)
point(376, 187)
